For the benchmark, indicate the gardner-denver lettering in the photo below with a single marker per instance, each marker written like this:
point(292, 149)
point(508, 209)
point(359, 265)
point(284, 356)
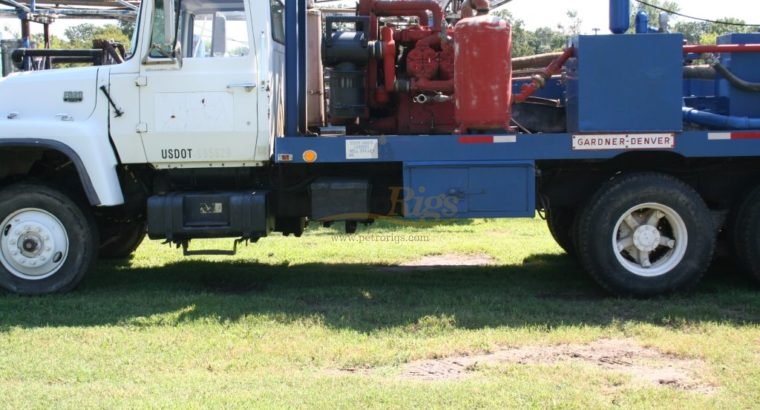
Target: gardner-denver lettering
point(623, 141)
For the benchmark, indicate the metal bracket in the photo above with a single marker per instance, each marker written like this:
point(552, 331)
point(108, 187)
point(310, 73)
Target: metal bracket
point(248, 87)
point(211, 252)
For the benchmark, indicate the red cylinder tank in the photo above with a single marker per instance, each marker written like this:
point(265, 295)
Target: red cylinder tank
point(483, 73)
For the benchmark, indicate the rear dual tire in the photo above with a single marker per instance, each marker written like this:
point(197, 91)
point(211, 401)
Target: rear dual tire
point(561, 224)
point(645, 234)
point(745, 234)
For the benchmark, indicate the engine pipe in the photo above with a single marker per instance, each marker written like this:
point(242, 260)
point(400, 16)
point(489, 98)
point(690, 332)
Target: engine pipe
point(725, 122)
point(538, 81)
point(389, 59)
point(388, 8)
point(721, 48)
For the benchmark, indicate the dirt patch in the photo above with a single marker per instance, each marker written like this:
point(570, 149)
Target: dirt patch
point(441, 261)
point(451, 260)
point(644, 365)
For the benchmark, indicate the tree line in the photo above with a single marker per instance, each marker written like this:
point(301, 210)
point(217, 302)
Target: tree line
point(547, 39)
point(524, 42)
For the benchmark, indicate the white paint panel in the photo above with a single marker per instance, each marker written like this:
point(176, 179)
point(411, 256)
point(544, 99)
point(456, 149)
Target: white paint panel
point(194, 112)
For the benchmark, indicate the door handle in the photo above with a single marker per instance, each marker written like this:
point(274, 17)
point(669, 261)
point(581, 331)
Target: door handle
point(247, 86)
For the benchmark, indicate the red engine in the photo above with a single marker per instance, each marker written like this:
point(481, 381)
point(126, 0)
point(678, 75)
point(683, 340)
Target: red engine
point(392, 76)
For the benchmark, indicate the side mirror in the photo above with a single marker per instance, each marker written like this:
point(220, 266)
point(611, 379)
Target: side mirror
point(169, 18)
point(219, 36)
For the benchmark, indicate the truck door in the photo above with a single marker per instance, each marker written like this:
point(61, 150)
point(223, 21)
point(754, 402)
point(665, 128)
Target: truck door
point(200, 109)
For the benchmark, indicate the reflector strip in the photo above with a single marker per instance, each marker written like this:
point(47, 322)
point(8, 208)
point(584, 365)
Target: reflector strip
point(476, 140)
point(737, 135)
point(745, 135)
point(717, 136)
point(505, 139)
point(488, 139)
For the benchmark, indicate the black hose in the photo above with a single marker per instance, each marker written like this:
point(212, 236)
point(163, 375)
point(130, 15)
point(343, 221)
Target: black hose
point(735, 80)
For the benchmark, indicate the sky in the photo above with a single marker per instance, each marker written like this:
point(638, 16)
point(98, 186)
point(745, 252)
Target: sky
point(548, 13)
point(595, 13)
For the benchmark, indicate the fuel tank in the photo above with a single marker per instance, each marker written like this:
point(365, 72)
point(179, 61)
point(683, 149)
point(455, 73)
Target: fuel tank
point(483, 74)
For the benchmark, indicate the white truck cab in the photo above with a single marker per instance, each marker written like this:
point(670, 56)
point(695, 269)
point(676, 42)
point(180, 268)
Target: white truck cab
point(201, 88)
point(212, 98)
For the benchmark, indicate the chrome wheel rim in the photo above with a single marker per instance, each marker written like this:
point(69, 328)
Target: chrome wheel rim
point(34, 244)
point(650, 239)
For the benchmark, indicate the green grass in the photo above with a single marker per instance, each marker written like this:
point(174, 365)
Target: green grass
point(316, 322)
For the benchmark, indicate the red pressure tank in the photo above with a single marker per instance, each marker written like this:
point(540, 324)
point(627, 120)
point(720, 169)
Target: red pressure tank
point(483, 73)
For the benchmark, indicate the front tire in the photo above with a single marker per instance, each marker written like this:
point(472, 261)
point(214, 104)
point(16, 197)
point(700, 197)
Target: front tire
point(47, 243)
point(121, 239)
point(645, 234)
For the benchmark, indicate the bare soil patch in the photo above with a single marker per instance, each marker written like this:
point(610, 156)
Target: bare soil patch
point(451, 260)
point(442, 261)
point(643, 365)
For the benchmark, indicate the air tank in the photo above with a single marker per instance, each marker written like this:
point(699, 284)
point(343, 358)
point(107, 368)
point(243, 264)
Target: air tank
point(642, 22)
point(483, 73)
point(620, 16)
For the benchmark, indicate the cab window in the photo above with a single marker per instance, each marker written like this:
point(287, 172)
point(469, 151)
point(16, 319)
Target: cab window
point(207, 29)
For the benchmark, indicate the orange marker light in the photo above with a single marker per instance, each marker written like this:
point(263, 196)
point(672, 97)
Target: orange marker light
point(310, 156)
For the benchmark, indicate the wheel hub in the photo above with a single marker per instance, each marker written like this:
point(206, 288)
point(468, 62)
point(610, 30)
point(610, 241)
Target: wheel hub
point(31, 244)
point(646, 238)
point(34, 244)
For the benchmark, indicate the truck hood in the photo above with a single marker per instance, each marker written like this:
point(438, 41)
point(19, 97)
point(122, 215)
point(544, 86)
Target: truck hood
point(64, 94)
